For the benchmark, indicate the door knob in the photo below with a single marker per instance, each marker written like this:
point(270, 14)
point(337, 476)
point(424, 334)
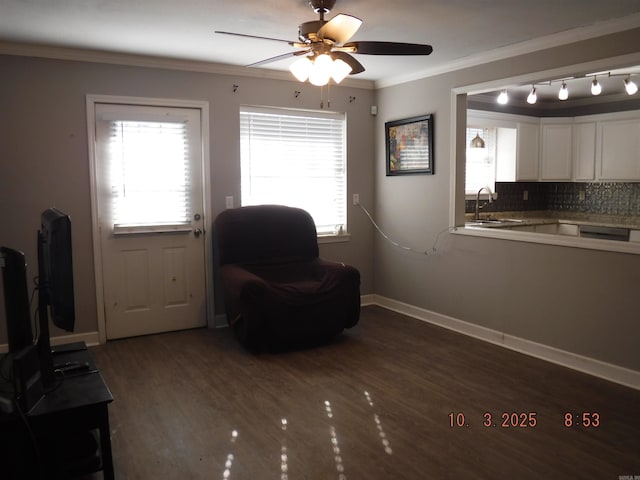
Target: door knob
point(197, 232)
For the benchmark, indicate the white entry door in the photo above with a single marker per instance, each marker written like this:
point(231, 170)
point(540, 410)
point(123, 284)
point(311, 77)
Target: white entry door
point(150, 215)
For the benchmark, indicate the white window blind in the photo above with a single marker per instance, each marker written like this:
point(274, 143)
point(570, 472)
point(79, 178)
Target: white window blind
point(295, 158)
point(481, 162)
point(149, 172)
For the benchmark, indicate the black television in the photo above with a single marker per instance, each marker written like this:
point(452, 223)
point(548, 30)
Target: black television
point(16, 299)
point(55, 284)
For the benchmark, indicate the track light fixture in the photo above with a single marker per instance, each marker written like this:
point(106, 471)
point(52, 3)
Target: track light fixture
point(563, 94)
point(630, 86)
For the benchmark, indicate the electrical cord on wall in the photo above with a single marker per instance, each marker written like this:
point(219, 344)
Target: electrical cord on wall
point(431, 251)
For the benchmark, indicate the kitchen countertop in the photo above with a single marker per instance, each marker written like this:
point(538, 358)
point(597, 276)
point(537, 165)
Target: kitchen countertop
point(542, 217)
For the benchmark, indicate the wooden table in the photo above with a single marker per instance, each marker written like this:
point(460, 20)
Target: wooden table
point(79, 404)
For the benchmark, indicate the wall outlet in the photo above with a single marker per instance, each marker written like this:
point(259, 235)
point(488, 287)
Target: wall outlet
point(356, 199)
point(525, 195)
point(228, 200)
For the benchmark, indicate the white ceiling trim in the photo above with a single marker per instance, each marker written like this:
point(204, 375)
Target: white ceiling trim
point(566, 70)
point(541, 43)
point(522, 48)
point(97, 56)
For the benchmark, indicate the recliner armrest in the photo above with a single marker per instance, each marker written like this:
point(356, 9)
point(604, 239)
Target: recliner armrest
point(237, 278)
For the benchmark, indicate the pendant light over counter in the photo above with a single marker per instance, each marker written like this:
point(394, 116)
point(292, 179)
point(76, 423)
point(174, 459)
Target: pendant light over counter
point(477, 142)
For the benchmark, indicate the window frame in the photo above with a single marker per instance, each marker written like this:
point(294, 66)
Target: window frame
point(147, 115)
point(324, 232)
point(490, 138)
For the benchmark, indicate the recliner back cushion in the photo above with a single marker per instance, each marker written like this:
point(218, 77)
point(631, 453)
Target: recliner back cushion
point(264, 233)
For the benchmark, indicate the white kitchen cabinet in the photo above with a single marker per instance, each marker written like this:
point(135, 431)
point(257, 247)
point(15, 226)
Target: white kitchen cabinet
point(584, 151)
point(601, 147)
point(568, 229)
point(556, 149)
point(619, 149)
point(506, 148)
point(527, 155)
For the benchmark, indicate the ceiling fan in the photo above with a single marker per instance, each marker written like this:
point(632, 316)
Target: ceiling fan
point(326, 50)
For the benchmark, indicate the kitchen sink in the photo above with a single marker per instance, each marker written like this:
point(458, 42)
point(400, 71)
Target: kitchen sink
point(496, 221)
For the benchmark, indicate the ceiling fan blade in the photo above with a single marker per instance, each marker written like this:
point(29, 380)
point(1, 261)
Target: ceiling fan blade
point(340, 28)
point(278, 57)
point(254, 36)
point(388, 48)
point(356, 66)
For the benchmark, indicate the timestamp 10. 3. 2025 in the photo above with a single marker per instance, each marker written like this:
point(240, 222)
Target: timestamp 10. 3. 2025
point(490, 420)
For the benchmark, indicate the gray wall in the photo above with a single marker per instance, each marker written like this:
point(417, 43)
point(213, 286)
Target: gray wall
point(577, 300)
point(44, 154)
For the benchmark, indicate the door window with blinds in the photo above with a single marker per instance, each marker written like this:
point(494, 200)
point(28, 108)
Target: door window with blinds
point(149, 173)
point(296, 158)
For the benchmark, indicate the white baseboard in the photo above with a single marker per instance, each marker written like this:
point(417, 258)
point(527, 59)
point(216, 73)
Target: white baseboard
point(90, 338)
point(614, 373)
point(220, 321)
point(369, 299)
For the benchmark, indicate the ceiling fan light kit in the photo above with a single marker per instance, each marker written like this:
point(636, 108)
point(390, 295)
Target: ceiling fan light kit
point(327, 55)
point(320, 69)
point(339, 70)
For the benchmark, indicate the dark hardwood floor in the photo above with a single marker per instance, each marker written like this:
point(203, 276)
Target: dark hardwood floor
point(377, 403)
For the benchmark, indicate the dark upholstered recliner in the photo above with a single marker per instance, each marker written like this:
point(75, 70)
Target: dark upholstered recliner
point(278, 293)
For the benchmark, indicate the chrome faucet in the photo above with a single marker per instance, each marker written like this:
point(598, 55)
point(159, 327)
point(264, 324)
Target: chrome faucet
point(477, 217)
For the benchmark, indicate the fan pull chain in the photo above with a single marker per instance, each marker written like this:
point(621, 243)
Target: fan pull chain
point(328, 96)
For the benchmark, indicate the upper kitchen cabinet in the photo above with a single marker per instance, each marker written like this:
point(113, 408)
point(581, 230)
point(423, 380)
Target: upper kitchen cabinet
point(556, 148)
point(619, 149)
point(584, 151)
point(528, 148)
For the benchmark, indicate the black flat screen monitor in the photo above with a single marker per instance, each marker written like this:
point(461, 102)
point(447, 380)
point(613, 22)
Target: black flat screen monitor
point(16, 299)
point(55, 285)
point(56, 268)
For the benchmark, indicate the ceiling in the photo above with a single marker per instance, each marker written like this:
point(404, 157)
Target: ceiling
point(462, 32)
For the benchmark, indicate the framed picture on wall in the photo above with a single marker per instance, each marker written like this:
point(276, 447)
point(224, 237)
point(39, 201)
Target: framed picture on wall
point(409, 146)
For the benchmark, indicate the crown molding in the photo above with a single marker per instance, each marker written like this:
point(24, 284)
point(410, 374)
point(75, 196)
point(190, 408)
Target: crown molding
point(542, 43)
point(148, 61)
point(502, 53)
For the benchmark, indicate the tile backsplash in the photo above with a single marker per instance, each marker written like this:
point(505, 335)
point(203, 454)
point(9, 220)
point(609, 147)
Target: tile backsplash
point(602, 198)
